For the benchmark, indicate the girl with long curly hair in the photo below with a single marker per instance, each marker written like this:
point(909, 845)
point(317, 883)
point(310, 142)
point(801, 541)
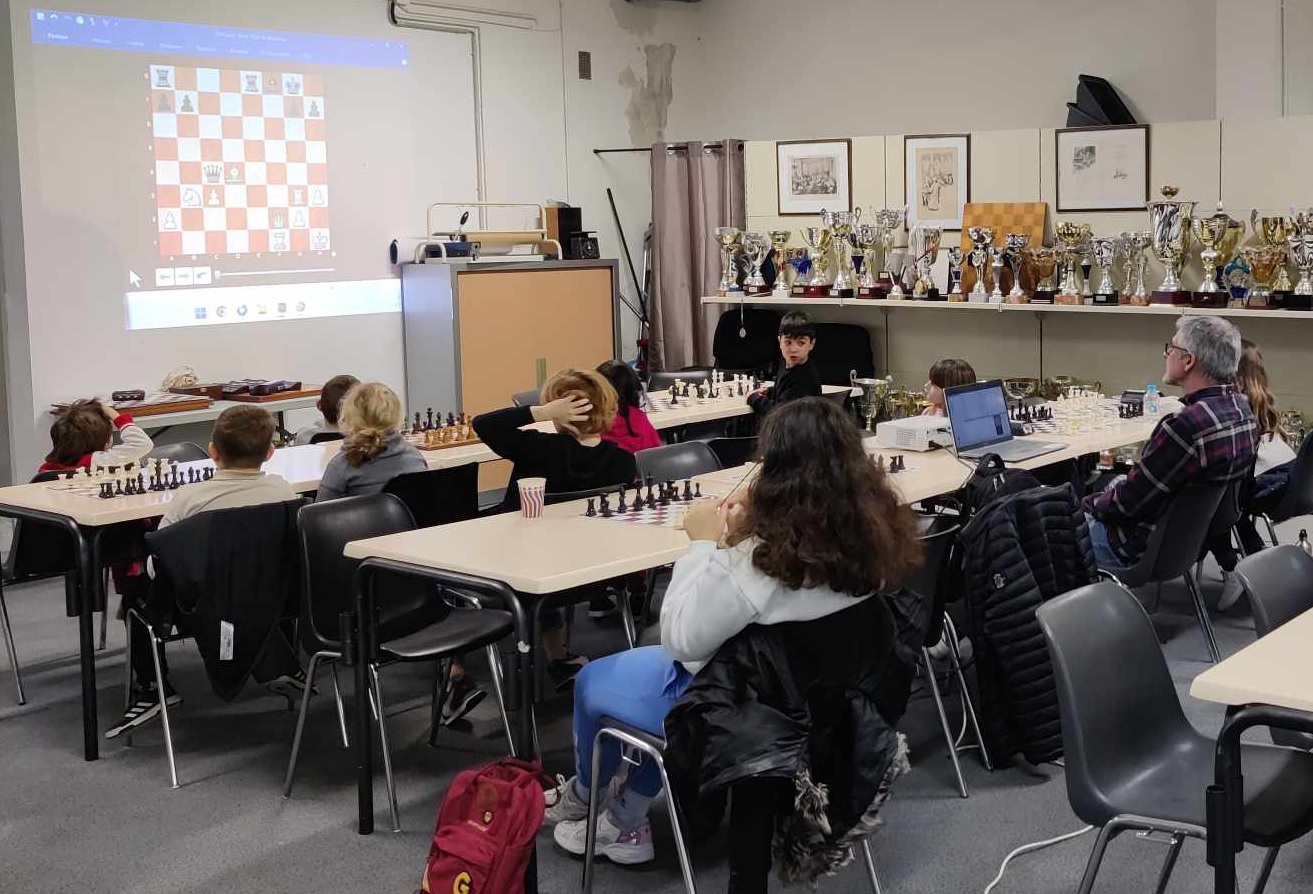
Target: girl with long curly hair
point(817, 530)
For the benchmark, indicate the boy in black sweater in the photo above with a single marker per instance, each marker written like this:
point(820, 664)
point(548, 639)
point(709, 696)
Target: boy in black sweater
point(798, 378)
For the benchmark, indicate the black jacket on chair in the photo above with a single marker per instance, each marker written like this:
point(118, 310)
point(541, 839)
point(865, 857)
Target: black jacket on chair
point(1018, 552)
point(230, 565)
point(799, 702)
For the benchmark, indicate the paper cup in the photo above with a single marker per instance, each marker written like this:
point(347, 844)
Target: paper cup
point(532, 496)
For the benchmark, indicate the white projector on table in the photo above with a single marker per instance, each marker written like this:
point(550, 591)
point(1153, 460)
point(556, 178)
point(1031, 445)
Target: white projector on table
point(914, 433)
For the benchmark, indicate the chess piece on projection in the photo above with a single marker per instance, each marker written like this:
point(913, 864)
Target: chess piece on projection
point(186, 107)
point(164, 105)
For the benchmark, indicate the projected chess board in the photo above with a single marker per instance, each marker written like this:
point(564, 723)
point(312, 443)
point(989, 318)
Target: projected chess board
point(241, 161)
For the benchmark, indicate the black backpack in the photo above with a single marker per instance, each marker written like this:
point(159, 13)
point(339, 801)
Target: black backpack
point(990, 481)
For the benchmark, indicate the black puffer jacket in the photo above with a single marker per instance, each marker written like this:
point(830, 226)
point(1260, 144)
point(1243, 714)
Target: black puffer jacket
point(1018, 552)
point(797, 701)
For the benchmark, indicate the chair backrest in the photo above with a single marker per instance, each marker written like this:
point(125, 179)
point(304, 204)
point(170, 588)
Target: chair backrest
point(39, 550)
point(676, 461)
point(181, 452)
point(1119, 708)
point(1299, 488)
point(661, 381)
point(1178, 537)
point(840, 349)
point(928, 579)
point(326, 436)
point(551, 499)
point(1279, 582)
point(526, 398)
point(328, 577)
point(758, 350)
point(732, 451)
point(1230, 506)
point(438, 496)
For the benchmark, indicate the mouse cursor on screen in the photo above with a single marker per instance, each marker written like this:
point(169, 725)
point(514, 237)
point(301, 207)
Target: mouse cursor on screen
point(133, 279)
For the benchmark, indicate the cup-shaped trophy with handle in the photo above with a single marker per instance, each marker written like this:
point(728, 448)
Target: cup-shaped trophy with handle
point(757, 248)
point(729, 239)
point(981, 239)
point(841, 224)
point(925, 251)
point(867, 237)
point(818, 241)
point(1301, 252)
point(1043, 260)
point(1264, 261)
point(1072, 237)
point(955, 273)
point(1016, 244)
point(1211, 231)
point(779, 245)
point(1105, 250)
point(871, 404)
point(1272, 230)
point(897, 261)
point(1169, 224)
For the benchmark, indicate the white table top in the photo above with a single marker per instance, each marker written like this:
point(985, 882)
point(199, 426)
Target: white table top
point(1276, 670)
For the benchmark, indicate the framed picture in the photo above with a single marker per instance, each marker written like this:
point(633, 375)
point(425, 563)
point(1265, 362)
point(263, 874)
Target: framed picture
point(937, 168)
point(1103, 168)
point(814, 175)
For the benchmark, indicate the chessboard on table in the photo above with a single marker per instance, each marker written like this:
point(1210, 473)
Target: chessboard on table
point(1030, 218)
point(171, 476)
point(154, 404)
point(249, 390)
point(442, 437)
point(663, 504)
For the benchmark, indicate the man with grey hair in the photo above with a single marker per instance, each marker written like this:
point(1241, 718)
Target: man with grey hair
point(1211, 439)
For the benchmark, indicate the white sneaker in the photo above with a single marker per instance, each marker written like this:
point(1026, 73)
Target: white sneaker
point(1232, 590)
point(563, 805)
point(628, 848)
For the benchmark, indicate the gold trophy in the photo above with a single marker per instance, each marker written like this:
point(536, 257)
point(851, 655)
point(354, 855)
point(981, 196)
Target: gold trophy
point(1211, 232)
point(1273, 232)
point(1264, 262)
point(924, 243)
point(1073, 237)
point(818, 241)
point(729, 239)
point(1044, 261)
point(779, 243)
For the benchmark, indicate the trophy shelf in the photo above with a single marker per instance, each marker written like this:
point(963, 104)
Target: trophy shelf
point(952, 307)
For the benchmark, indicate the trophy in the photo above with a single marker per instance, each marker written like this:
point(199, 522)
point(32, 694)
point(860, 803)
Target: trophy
point(1016, 251)
point(981, 238)
point(897, 263)
point(1211, 232)
point(1169, 222)
point(1135, 264)
point(997, 259)
point(1273, 232)
point(840, 224)
point(871, 404)
point(1044, 261)
point(1264, 262)
point(757, 248)
point(1301, 252)
point(868, 239)
point(1072, 236)
point(1105, 250)
point(955, 274)
point(729, 238)
point(925, 251)
point(818, 242)
point(888, 221)
point(779, 243)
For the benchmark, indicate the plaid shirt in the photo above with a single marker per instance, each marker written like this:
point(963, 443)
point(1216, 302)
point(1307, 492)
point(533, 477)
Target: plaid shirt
point(1211, 439)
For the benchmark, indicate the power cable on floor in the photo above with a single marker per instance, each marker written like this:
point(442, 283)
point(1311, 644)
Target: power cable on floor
point(1028, 848)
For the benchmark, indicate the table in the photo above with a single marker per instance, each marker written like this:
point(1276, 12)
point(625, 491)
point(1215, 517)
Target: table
point(1271, 677)
point(564, 550)
point(162, 421)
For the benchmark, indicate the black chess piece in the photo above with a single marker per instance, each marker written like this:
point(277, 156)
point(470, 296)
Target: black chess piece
point(141, 483)
point(209, 473)
point(604, 506)
point(592, 510)
point(451, 419)
point(118, 487)
point(674, 396)
point(697, 491)
point(688, 490)
point(191, 476)
point(104, 491)
point(416, 430)
point(622, 507)
point(428, 425)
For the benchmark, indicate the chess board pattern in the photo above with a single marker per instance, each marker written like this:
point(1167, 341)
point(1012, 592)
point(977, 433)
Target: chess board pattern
point(1005, 217)
point(668, 516)
point(241, 161)
point(449, 436)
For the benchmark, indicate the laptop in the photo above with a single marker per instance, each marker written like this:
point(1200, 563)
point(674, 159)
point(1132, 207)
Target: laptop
point(978, 416)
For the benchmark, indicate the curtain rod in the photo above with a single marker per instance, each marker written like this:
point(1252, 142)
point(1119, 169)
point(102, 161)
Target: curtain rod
point(711, 147)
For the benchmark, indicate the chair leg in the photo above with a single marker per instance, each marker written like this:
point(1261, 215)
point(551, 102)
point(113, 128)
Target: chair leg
point(300, 724)
point(870, 866)
point(1271, 530)
point(155, 646)
point(441, 679)
point(968, 705)
point(1205, 625)
point(341, 709)
point(127, 674)
point(594, 806)
point(494, 671)
point(1268, 862)
point(1165, 874)
point(681, 846)
point(649, 593)
point(1109, 831)
point(627, 620)
point(943, 720)
point(8, 633)
point(387, 750)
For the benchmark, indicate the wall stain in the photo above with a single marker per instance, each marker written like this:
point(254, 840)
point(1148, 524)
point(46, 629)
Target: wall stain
point(650, 96)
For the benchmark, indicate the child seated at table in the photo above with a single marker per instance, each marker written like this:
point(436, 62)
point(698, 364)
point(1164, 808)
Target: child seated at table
point(242, 441)
point(797, 335)
point(330, 399)
point(82, 436)
point(945, 374)
point(373, 452)
point(581, 405)
point(632, 430)
point(783, 550)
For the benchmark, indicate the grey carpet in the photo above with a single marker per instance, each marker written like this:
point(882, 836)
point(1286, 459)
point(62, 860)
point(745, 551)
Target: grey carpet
point(117, 826)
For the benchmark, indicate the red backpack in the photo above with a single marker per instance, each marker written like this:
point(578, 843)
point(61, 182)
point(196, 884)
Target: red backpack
point(486, 829)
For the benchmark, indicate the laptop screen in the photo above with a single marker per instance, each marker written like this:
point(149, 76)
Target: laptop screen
point(978, 414)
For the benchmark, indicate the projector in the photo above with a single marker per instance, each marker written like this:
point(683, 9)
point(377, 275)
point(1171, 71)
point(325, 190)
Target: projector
point(914, 433)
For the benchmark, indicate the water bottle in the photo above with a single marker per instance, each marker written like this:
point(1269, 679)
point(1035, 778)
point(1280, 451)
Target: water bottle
point(1151, 399)
point(1303, 542)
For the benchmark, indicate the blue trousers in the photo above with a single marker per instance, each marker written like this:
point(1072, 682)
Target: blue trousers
point(1104, 556)
point(637, 687)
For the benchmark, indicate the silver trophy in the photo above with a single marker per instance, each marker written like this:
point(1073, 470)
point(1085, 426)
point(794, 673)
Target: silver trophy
point(997, 259)
point(897, 261)
point(1301, 252)
point(925, 251)
point(889, 221)
point(841, 223)
point(954, 270)
point(818, 243)
point(1169, 223)
point(1135, 264)
point(981, 238)
point(1105, 258)
point(1016, 255)
point(868, 240)
point(757, 248)
point(871, 404)
point(728, 238)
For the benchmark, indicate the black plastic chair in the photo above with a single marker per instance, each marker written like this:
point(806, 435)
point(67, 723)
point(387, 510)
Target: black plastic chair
point(675, 462)
point(1133, 761)
point(1279, 584)
point(325, 437)
point(733, 451)
point(757, 351)
point(929, 581)
point(842, 349)
point(413, 623)
point(181, 452)
point(438, 496)
point(1298, 499)
point(1229, 511)
point(1174, 547)
point(526, 398)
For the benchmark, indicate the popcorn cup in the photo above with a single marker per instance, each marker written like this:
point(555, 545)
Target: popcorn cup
point(532, 496)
